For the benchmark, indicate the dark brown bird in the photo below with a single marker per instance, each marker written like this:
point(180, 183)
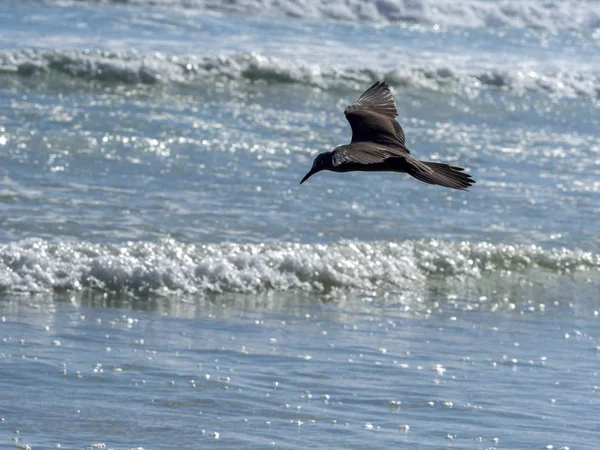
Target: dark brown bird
point(378, 144)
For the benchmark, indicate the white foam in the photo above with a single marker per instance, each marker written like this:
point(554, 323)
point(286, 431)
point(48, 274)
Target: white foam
point(134, 68)
point(538, 14)
point(121, 67)
point(167, 267)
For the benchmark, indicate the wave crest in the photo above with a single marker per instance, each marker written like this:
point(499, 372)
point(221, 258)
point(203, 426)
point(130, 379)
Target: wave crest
point(134, 68)
point(169, 267)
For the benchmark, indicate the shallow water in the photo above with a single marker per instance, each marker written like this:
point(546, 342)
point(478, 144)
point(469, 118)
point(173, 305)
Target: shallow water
point(153, 231)
point(303, 376)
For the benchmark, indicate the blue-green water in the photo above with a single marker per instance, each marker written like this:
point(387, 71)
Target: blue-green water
point(152, 223)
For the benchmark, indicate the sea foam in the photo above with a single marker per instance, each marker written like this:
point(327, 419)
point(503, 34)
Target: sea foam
point(169, 267)
point(130, 67)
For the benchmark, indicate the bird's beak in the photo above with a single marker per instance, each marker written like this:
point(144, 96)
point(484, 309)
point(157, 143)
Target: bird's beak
point(310, 173)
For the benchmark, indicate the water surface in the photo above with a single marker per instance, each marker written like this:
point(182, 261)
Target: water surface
point(165, 282)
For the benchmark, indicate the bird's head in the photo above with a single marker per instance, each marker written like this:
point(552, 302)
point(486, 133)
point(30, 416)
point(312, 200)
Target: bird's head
point(321, 162)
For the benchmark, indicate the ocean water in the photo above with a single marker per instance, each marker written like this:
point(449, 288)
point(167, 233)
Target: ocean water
point(165, 282)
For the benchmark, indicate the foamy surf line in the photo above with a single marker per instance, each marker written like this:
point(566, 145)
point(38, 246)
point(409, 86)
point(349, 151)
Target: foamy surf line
point(169, 267)
point(536, 14)
point(132, 68)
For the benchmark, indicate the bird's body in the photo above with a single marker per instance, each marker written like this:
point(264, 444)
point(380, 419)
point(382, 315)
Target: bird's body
point(379, 144)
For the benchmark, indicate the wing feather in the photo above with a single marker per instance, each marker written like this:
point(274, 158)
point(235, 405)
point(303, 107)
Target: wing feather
point(377, 99)
point(366, 153)
point(372, 117)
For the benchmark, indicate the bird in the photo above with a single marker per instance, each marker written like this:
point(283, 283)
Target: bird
point(378, 144)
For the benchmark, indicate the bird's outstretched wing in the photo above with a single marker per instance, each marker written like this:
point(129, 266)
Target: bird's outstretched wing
point(372, 117)
point(377, 99)
point(371, 156)
point(366, 153)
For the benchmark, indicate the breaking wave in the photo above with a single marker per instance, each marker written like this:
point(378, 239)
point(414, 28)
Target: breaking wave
point(135, 68)
point(537, 14)
point(169, 267)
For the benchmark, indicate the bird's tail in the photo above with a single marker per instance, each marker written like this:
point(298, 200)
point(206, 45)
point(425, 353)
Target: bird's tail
point(443, 175)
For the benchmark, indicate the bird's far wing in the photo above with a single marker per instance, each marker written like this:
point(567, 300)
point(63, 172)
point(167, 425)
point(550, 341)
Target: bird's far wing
point(372, 115)
point(365, 153)
point(378, 99)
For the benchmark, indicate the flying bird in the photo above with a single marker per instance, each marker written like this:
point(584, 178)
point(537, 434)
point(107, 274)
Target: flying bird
point(378, 144)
